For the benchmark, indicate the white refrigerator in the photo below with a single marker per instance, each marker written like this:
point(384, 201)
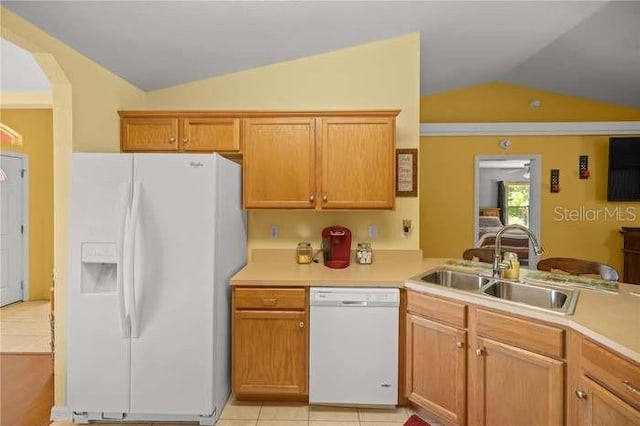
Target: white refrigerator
point(154, 240)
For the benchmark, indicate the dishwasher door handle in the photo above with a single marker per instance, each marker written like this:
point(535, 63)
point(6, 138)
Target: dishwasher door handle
point(353, 303)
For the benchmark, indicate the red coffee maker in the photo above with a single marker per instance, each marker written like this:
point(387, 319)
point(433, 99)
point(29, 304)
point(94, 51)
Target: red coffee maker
point(336, 247)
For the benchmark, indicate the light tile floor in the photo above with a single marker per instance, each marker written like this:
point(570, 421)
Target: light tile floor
point(243, 413)
point(24, 327)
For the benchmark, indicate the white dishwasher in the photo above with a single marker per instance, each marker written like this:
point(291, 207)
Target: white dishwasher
point(353, 346)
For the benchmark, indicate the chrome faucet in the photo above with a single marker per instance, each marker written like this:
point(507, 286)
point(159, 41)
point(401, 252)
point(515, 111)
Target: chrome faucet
point(498, 265)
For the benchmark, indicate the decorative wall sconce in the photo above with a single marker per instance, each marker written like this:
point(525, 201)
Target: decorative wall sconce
point(583, 167)
point(555, 180)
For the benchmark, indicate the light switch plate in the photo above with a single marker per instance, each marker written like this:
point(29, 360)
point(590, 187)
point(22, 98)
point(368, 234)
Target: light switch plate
point(274, 232)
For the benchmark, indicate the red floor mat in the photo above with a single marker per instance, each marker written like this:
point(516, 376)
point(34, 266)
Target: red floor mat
point(415, 421)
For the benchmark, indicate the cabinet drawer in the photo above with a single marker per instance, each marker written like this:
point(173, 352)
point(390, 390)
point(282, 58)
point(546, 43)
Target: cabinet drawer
point(439, 309)
point(540, 338)
point(616, 373)
point(269, 298)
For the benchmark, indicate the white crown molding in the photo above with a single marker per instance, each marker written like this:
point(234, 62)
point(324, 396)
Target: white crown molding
point(553, 128)
point(26, 100)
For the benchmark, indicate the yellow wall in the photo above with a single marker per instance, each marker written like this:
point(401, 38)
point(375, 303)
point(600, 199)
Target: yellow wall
point(36, 127)
point(86, 98)
point(502, 102)
point(447, 163)
point(381, 75)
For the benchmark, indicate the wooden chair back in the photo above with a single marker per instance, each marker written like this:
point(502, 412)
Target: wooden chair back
point(484, 255)
point(579, 267)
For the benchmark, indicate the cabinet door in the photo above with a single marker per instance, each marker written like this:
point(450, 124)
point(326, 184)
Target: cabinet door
point(149, 134)
point(517, 387)
point(436, 368)
point(358, 162)
point(202, 134)
point(270, 353)
point(599, 407)
point(279, 163)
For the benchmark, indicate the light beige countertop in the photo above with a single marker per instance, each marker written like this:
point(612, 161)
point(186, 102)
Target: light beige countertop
point(278, 267)
point(612, 319)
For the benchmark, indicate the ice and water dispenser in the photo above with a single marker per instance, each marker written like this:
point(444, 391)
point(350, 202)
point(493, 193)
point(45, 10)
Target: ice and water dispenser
point(99, 267)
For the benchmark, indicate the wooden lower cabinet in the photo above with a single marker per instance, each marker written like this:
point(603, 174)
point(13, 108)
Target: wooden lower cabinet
point(270, 343)
point(605, 386)
point(270, 353)
point(436, 363)
point(517, 387)
point(599, 407)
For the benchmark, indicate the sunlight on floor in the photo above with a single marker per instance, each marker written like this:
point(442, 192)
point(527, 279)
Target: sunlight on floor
point(25, 327)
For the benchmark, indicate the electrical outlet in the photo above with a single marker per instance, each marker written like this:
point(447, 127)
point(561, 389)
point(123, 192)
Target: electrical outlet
point(274, 232)
point(373, 232)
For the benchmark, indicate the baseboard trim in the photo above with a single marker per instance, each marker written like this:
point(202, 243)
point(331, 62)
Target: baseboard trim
point(60, 413)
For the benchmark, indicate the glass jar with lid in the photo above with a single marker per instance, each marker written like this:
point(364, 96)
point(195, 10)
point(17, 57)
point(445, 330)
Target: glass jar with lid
point(304, 253)
point(364, 255)
point(513, 270)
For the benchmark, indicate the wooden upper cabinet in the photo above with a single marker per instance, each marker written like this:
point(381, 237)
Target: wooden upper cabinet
point(328, 160)
point(279, 157)
point(203, 134)
point(149, 134)
point(358, 162)
point(153, 131)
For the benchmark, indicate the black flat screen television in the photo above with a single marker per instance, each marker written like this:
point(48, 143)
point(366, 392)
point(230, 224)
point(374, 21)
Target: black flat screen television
point(624, 169)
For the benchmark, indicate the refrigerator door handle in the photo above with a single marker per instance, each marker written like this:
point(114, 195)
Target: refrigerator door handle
point(124, 223)
point(130, 282)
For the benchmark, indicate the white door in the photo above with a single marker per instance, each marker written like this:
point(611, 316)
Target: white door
point(98, 341)
point(12, 236)
point(172, 350)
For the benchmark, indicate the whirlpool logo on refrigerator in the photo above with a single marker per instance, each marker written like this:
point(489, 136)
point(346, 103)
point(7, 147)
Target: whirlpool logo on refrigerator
point(196, 164)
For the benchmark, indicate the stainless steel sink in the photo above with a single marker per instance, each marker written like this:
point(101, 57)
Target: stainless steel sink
point(454, 279)
point(562, 300)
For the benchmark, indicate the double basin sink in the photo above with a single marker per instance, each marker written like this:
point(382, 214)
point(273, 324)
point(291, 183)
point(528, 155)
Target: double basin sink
point(544, 297)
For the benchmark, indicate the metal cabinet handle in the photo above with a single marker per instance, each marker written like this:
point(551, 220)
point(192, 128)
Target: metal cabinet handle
point(269, 301)
point(630, 387)
point(479, 352)
point(459, 344)
point(324, 197)
point(172, 139)
point(581, 394)
point(185, 140)
point(311, 198)
point(301, 325)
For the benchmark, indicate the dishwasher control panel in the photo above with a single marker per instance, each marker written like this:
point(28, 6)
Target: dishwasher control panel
point(354, 296)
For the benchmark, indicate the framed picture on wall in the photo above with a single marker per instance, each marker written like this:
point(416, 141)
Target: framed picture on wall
point(407, 172)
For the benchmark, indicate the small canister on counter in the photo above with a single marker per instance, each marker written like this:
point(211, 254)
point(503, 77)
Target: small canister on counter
point(513, 272)
point(304, 253)
point(364, 255)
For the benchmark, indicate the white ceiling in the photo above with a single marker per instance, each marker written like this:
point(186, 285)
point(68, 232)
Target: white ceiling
point(581, 48)
point(19, 71)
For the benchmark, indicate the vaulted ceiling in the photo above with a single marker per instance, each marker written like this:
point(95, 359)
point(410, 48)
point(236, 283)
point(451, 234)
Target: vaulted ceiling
point(588, 49)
